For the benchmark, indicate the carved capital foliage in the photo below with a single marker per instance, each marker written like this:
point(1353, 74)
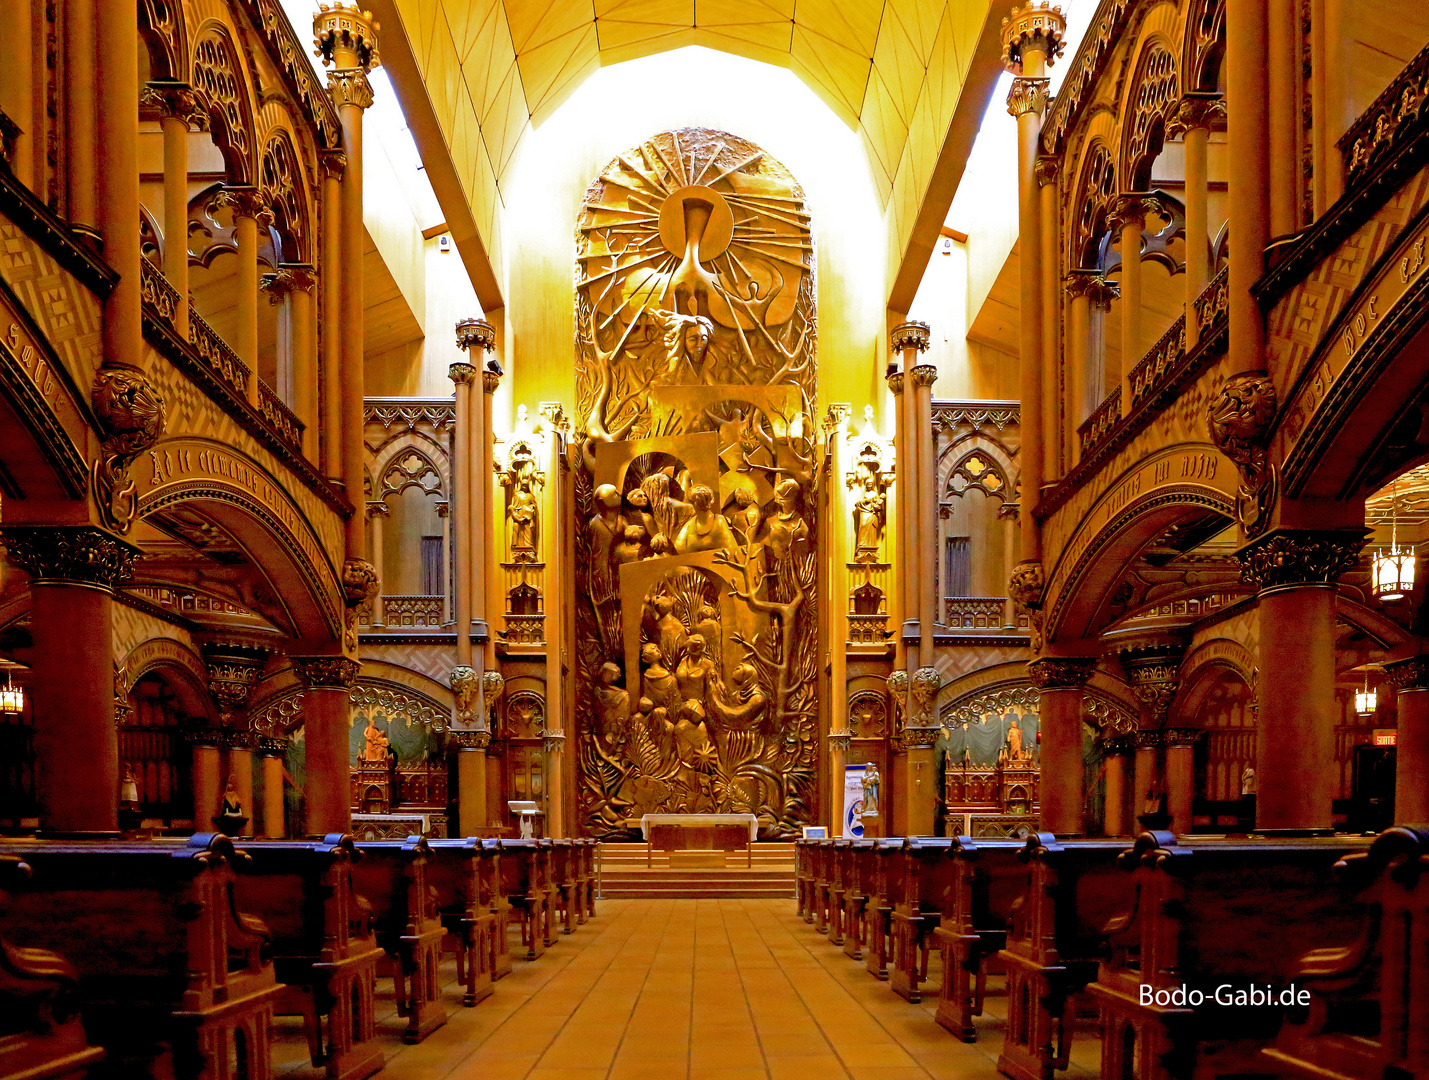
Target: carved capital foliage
point(333, 162)
point(1046, 168)
point(350, 86)
point(910, 335)
point(130, 412)
point(1149, 740)
point(1180, 738)
point(1089, 283)
point(359, 582)
point(914, 738)
point(895, 382)
point(553, 741)
point(378, 508)
point(345, 35)
point(839, 742)
point(1155, 698)
point(1026, 585)
point(270, 746)
point(1131, 208)
point(897, 683)
point(234, 668)
point(462, 374)
point(466, 687)
point(924, 376)
point(1411, 674)
point(79, 555)
point(1240, 417)
point(246, 201)
point(1287, 558)
point(926, 684)
point(1027, 95)
point(490, 379)
point(475, 334)
point(1061, 672)
point(1036, 26)
point(161, 100)
point(326, 672)
point(468, 740)
point(288, 278)
point(1196, 110)
point(491, 686)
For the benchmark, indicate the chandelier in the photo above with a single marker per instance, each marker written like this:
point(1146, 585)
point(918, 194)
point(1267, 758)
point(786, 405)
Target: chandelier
point(1366, 700)
point(1392, 571)
point(12, 697)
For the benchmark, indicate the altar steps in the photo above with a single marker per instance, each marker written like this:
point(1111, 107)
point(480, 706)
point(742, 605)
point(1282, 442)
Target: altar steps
point(624, 874)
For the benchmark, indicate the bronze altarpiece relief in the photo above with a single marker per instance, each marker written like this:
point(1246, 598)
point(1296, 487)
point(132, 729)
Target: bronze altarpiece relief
point(697, 574)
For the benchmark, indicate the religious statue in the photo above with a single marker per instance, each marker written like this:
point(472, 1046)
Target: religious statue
point(658, 685)
point(705, 530)
point(631, 547)
point(639, 513)
point(870, 506)
point(375, 744)
point(612, 705)
point(521, 479)
point(697, 675)
point(1014, 742)
point(870, 783)
point(1248, 783)
point(230, 818)
point(786, 525)
point(605, 528)
point(671, 630)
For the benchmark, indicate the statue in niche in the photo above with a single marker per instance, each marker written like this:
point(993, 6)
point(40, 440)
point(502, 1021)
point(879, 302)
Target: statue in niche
point(870, 783)
point(521, 479)
point(870, 506)
point(705, 530)
point(375, 745)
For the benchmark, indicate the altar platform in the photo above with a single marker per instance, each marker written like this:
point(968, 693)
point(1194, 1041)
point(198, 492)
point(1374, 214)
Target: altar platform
point(763, 871)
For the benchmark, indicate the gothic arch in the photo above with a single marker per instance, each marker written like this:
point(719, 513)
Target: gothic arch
point(180, 666)
point(219, 77)
point(163, 33)
point(1204, 45)
point(284, 189)
point(1092, 197)
point(392, 460)
point(1152, 96)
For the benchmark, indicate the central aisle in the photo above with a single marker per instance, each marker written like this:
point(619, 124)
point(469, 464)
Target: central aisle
point(694, 990)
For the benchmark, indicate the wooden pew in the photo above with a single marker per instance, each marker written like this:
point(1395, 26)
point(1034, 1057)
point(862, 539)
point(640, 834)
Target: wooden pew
point(858, 872)
point(392, 877)
point(565, 887)
point(823, 882)
point(585, 879)
point(173, 979)
point(1210, 913)
point(883, 895)
point(324, 949)
point(494, 889)
point(1057, 935)
point(804, 877)
point(988, 877)
point(1369, 1001)
point(455, 872)
point(524, 872)
point(926, 880)
point(838, 867)
point(41, 1035)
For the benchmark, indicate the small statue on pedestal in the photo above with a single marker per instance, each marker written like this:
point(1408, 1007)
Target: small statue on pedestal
point(231, 819)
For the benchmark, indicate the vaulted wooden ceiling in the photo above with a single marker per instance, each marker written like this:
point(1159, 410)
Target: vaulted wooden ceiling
point(896, 69)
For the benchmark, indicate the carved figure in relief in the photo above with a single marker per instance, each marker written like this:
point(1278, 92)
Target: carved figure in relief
point(745, 516)
point(687, 340)
point(786, 526)
point(658, 685)
point(709, 629)
point(698, 675)
point(670, 630)
point(375, 745)
point(521, 479)
point(669, 512)
point(639, 511)
point(631, 547)
point(705, 530)
point(604, 527)
point(612, 705)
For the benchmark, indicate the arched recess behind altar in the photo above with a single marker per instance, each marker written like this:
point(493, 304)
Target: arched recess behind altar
point(697, 574)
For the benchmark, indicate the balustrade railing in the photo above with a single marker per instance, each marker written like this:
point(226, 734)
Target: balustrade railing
point(1163, 356)
point(1393, 119)
point(415, 610)
point(155, 290)
point(1095, 427)
point(974, 612)
point(214, 352)
point(1213, 304)
point(283, 419)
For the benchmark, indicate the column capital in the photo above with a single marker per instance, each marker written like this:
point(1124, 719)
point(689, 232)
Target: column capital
point(1046, 168)
point(1061, 672)
point(895, 382)
point(246, 201)
point(1028, 95)
point(164, 99)
point(1299, 558)
point(288, 278)
point(270, 746)
point(924, 376)
point(1148, 740)
point(378, 508)
point(835, 415)
point(1090, 283)
point(70, 555)
point(468, 740)
point(491, 377)
point(462, 374)
point(333, 162)
point(553, 740)
point(554, 413)
point(1131, 208)
point(1118, 744)
point(326, 672)
point(1196, 109)
point(924, 686)
point(350, 86)
point(1037, 26)
point(444, 508)
point(475, 334)
point(839, 741)
point(492, 684)
point(910, 335)
point(466, 688)
point(1180, 738)
point(1409, 675)
point(130, 411)
point(234, 668)
point(346, 37)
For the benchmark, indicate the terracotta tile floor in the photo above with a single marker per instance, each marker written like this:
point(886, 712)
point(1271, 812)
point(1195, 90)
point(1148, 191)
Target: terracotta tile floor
point(689, 990)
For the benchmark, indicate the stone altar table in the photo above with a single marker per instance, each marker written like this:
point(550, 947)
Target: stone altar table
point(694, 839)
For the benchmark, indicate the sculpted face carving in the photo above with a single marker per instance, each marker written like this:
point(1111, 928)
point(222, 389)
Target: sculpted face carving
point(697, 568)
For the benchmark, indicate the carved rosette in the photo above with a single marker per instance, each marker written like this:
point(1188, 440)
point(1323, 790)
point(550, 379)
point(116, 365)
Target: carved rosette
point(1296, 558)
point(1028, 95)
point(1061, 672)
point(1240, 417)
point(79, 555)
point(475, 334)
point(1037, 26)
point(130, 412)
point(910, 335)
point(1409, 675)
point(326, 672)
point(466, 687)
point(1197, 109)
point(461, 374)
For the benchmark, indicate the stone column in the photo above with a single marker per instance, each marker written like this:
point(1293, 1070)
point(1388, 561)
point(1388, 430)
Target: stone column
point(1192, 122)
point(487, 598)
point(470, 748)
point(1411, 758)
point(1059, 681)
point(1146, 776)
point(117, 164)
point(176, 107)
point(1077, 286)
point(327, 708)
point(478, 338)
point(1050, 257)
point(234, 668)
point(1008, 512)
point(377, 512)
point(1180, 776)
point(838, 761)
point(1152, 664)
point(923, 377)
point(273, 752)
point(334, 164)
point(299, 281)
point(1284, 48)
point(347, 39)
point(250, 210)
point(1031, 42)
point(1295, 571)
point(462, 375)
point(73, 572)
point(909, 340)
point(206, 776)
point(81, 103)
point(902, 606)
point(1247, 122)
point(1128, 218)
point(555, 743)
point(1116, 823)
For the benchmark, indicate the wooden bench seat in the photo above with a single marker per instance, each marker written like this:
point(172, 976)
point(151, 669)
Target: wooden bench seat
point(324, 948)
point(926, 880)
point(461, 873)
point(858, 870)
point(1369, 1001)
point(173, 977)
point(987, 878)
point(884, 882)
point(500, 905)
point(525, 877)
point(1211, 913)
point(392, 877)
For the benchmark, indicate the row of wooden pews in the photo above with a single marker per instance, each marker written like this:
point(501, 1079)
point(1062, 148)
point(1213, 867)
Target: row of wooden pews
point(1181, 951)
point(171, 957)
